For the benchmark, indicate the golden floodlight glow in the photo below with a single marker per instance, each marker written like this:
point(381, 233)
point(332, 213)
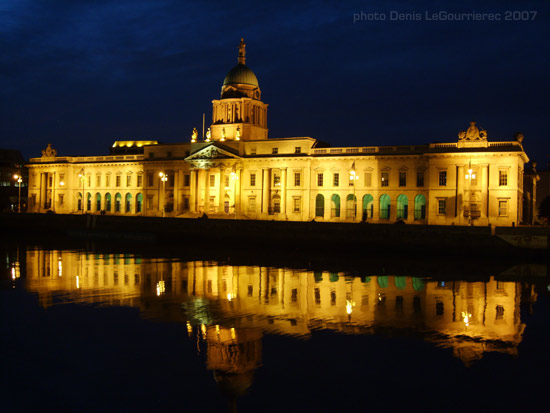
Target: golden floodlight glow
point(77, 282)
point(466, 318)
point(160, 288)
point(349, 306)
point(59, 267)
point(203, 331)
point(189, 329)
point(233, 333)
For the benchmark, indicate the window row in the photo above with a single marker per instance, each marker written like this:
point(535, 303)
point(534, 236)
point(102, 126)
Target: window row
point(105, 203)
point(367, 210)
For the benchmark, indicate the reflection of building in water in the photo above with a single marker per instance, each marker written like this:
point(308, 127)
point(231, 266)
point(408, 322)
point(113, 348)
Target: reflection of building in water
point(470, 317)
point(233, 354)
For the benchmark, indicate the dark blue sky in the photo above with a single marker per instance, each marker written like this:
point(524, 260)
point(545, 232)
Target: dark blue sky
point(81, 74)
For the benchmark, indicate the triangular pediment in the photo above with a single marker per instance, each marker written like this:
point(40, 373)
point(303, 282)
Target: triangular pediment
point(211, 152)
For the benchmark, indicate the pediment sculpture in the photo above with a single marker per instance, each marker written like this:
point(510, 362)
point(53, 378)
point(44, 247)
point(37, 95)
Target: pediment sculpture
point(49, 152)
point(473, 134)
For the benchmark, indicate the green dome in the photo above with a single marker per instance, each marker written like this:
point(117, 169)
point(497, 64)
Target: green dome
point(241, 74)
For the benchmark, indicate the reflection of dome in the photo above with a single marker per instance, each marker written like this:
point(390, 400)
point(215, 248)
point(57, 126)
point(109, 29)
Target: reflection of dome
point(241, 74)
point(233, 385)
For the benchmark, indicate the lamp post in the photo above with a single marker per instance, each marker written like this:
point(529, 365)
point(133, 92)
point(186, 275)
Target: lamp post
point(163, 178)
point(82, 179)
point(352, 179)
point(18, 179)
point(469, 176)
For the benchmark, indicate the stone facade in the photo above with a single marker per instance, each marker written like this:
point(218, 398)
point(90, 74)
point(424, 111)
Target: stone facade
point(235, 171)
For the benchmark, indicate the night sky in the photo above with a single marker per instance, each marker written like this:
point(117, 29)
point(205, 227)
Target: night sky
point(82, 74)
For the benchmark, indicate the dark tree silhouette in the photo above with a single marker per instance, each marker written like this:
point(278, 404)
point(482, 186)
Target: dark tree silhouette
point(544, 209)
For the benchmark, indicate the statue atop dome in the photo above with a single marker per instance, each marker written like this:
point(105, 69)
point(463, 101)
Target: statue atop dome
point(242, 52)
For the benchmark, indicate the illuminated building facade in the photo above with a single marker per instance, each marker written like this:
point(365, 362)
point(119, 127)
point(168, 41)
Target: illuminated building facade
point(236, 171)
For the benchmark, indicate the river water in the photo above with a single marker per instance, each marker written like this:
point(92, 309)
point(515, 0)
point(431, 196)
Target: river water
point(106, 331)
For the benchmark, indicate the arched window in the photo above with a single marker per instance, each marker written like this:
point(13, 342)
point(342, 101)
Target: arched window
point(400, 282)
point(385, 207)
point(420, 207)
point(98, 201)
point(128, 203)
point(382, 281)
point(118, 202)
point(402, 207)
point(351, 206)
point(335, 207)
point(79, 201)
point(88, 202)
point(108, 202)
point(139, 203)
point(368, 206)
point(320, 206)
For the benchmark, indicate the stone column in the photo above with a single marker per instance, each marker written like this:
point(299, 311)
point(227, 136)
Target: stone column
point(221, 202)
point(283, 192)
point(207, 191)
point(237, 195)
point(460, 197)
point(483, 200)
point(193, 191)
point(265, 190)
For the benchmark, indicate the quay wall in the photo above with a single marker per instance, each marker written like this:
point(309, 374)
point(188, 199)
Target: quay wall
point(252, 234)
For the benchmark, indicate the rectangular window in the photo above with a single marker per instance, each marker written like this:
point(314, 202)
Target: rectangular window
point(502, 178)
point(108, 180)
point(296, 204)
point(368, 179)
point(336, 180)
point(168, 154)
point(60, 197)
point(252, 151)
point(212, 180)
point(420, 178)
point(171, 179)
point(297, 178)
point(385, 179)
point(139, 180)
point(128, 180)
point(151, 154)
point(226, 181)
point(442, 206)
point(185, 203)
point(89, 181)
point(186, 180)
point(298, 149)
point(98, 181)
point(402, 178)
point(275, 151)
point(149, 179)
point(118, 179)
point(503, 208)
point(252, 179)
point(252, 204)
point(150, 202)
point(276, 179)
point(442, 178)
point(320, 179)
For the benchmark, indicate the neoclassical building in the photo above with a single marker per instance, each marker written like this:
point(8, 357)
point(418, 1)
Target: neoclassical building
point(237, 171)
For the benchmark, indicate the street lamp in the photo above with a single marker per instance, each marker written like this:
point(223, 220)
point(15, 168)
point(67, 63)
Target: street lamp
point(82, 179)
point(163, 178)
point(469, 176)
point(19, 179)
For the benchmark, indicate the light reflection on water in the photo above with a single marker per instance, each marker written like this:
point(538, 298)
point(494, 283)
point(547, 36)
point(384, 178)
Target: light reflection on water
point(238, 304)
